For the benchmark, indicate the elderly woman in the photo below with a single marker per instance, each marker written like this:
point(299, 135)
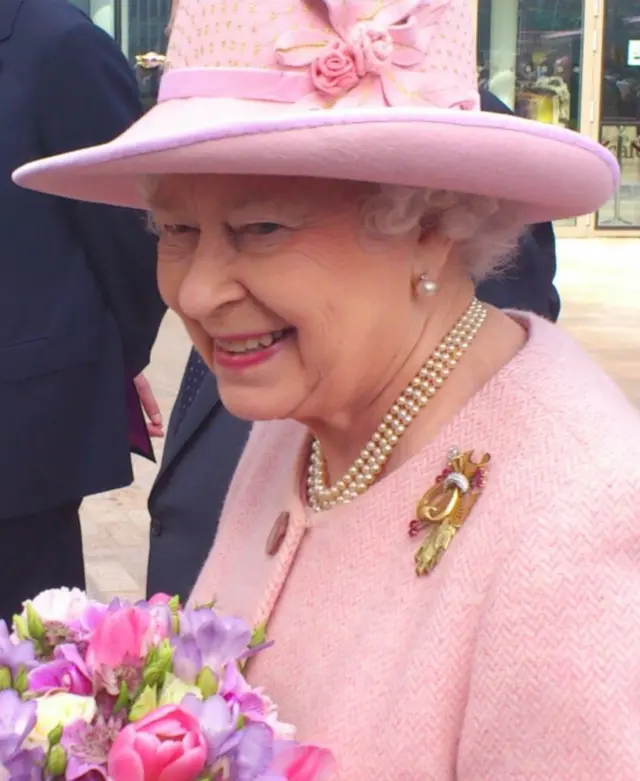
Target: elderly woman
point(436, 516)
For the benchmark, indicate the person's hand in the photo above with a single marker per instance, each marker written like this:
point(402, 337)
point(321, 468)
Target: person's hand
point(150, 406)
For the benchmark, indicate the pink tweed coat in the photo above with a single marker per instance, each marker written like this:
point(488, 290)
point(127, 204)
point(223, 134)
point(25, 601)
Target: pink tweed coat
point(518, 658)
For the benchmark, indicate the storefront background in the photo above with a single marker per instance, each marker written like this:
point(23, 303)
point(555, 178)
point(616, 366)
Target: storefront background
point(572, 63)
point(577, 65)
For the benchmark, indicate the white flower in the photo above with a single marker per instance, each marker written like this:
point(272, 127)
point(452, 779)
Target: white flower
point(59, 604)
point(281, 729)
point(59, 709)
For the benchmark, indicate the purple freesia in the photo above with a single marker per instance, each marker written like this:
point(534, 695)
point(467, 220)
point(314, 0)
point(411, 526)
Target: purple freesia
point(15, 654)
point(26, 765)
point(218, 722)
point(187, 659)
point(235, 690)
point(67, 671)
point(219, 640)
point(252, 756)
point(17, 719)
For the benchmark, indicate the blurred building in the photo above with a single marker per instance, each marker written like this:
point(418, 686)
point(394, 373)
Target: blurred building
point(572, 63)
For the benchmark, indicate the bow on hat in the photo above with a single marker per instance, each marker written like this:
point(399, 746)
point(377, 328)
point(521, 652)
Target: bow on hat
point(374, 46)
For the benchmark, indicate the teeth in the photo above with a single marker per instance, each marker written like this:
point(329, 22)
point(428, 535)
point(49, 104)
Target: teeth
point(250, 345)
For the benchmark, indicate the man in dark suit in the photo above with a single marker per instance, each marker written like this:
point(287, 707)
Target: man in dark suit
point(204, 441)
point(79, 306)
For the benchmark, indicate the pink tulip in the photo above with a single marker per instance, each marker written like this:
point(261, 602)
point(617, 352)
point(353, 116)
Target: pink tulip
point(166, 745)
point(159, 599)
point(122, 635)
point(304, 763)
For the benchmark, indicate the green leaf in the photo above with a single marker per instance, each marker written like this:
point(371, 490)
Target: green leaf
point(20, 626)
point(153, 675)
point(174, 691)
point(174, 604)
point(55, 736)
point(5, 678)
point(151, 657)
point(57, 761)
point(207, 683)
point(259, 636)
point(20, 683)
point(164, 656)
point(34, 623)
point(123, 699)
point(205, 605)
point(145, 703)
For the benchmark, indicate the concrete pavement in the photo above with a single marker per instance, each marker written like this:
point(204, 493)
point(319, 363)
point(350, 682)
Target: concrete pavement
point(599, 281)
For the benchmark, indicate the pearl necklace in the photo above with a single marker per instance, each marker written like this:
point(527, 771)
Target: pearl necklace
point(370, 464)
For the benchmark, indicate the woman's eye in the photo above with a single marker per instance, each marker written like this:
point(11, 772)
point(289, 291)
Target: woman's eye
point(260, 228)
point(176, 230)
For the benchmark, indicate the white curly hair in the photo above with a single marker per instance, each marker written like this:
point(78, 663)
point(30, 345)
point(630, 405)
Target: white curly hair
point(485, 231)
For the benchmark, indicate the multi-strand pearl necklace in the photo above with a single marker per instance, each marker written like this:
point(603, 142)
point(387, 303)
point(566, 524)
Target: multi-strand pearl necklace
point(370, 464)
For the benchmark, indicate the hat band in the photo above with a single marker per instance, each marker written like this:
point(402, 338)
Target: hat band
point(238, 83)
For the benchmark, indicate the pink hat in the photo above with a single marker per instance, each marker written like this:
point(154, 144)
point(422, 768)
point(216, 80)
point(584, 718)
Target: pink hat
point(373, 90)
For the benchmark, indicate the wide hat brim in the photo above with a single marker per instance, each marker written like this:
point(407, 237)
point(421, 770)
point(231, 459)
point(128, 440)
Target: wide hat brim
point(552, 172)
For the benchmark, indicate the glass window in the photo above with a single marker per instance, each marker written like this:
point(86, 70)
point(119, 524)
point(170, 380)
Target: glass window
point(102, 12)
point(530, 56)
point(620, 110)
point(143, 38)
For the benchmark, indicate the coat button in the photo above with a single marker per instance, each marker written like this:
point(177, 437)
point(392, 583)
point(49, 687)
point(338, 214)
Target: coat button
point(277, 534)
point(156, 527)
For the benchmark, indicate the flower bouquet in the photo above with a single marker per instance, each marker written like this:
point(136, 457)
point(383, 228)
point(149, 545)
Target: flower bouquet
point(142, 692)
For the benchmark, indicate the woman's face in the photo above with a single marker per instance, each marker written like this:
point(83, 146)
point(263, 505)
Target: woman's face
point(295, 311)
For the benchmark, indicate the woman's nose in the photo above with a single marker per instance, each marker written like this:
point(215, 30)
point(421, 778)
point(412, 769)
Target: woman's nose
point(208, 284)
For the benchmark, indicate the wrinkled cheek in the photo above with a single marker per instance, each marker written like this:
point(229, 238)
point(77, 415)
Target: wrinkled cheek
point(314, 356)
point(170, 277)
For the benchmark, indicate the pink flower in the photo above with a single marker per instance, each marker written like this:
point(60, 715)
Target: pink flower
point(167, 744)
point(159, 599)
point(304, 763)
point(120, 640)
point(372, 50)
point(66, 672)
point(334, 70)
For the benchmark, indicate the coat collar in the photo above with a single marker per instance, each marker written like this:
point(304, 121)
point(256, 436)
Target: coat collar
point(8, 12)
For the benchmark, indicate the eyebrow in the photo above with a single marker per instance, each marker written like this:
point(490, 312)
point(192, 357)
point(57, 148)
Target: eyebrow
point(162, 200)
point(251, 203)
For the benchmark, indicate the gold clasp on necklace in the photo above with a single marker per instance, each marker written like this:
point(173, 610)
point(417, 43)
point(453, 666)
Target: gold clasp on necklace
point(446, 506)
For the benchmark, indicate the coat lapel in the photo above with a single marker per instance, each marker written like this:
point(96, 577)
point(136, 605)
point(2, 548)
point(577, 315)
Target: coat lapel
point(206, 402)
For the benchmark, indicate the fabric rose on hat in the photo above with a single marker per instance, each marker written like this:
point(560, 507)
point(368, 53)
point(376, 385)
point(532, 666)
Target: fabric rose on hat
point(334, 71)
point(374, 49)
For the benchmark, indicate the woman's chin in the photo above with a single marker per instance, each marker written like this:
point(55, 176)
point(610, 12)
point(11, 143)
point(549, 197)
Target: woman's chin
point(254, 404)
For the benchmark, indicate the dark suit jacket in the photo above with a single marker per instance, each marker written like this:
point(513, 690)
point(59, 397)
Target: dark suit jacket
point(200, 457)
point(528, 284)
point(79, 306)
point(202, 451)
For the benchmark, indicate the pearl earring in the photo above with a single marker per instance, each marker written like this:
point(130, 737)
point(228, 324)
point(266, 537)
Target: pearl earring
point(424, 286)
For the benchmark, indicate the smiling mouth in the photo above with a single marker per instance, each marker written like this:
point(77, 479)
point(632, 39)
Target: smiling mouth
point(254, 344)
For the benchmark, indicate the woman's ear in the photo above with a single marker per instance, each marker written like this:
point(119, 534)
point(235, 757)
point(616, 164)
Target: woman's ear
point(434, 250)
